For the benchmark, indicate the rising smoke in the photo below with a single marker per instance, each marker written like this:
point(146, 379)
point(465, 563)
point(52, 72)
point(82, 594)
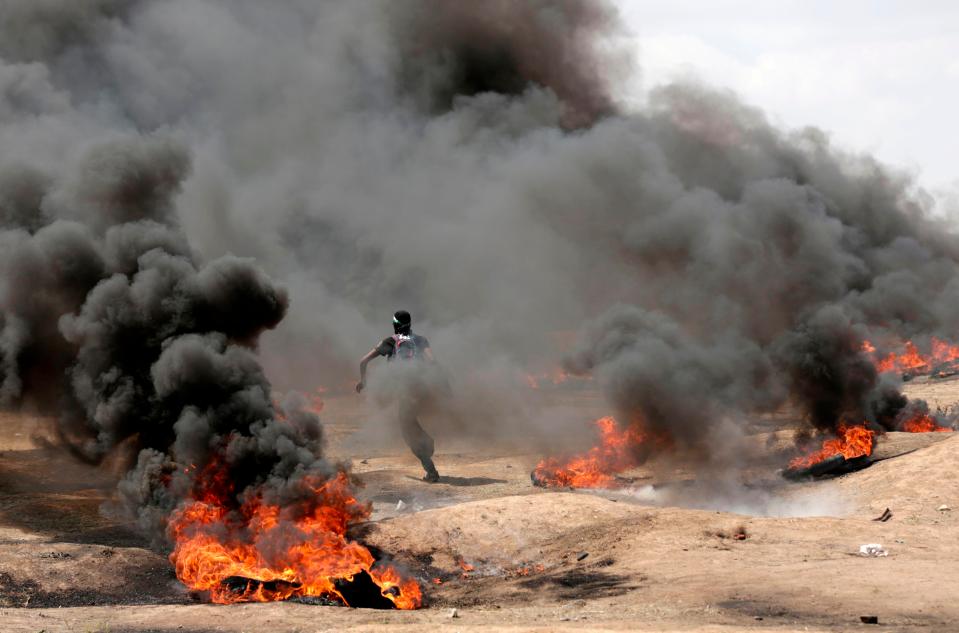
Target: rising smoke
point(470, 162)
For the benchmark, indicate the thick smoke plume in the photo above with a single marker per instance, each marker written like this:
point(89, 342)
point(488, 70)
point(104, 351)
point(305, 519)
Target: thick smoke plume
point(113, 327)
point(763, 261)
point(473, 163)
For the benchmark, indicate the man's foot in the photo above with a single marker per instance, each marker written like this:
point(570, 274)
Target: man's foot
point(431, 475)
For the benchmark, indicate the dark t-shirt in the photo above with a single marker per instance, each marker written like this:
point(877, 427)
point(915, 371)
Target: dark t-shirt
point(387, 346)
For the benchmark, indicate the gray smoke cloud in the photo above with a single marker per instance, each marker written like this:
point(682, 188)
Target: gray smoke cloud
point(764, 260)
point(472, 163)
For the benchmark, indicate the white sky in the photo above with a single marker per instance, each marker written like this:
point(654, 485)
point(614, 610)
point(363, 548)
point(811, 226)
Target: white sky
point(880, 76)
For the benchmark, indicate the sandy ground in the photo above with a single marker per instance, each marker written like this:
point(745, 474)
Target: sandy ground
point(627, 560)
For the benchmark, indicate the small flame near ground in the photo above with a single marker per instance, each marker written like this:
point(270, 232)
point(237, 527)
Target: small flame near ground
point(850, 442)
point(525, 570)
point(909, 360)
point(466, 567)
point(618, 450)
point(298, 549)
point(923, 423)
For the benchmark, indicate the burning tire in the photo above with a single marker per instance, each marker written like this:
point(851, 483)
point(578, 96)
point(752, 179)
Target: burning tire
point(359, 592)
point(831, 466)
point(850, 450)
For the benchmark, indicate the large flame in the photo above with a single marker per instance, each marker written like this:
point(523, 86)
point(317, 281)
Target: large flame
point(297, 549)
point(850, 442)
point(618, 450)
point(910, 360)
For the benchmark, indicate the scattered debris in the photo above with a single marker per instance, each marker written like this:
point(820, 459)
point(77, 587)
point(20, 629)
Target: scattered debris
point(582, 556)
point(869, 619)
point(944, 508)
point(740, 534)
point(54, 555)
point(885, 516)
point(454, 614)
point(874, 550)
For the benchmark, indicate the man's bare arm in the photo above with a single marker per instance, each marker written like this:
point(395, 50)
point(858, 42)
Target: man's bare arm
point(370, 355)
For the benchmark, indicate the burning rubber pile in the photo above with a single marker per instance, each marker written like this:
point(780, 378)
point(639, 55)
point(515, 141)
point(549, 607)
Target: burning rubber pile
point(941, 361)
point(271, 552)
point(849, 451)
point(852, 447)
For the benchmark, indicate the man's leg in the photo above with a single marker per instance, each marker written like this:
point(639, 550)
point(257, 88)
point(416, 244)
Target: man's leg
point(418, 440)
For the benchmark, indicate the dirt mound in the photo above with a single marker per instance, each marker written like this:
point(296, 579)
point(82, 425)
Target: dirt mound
point(499, 531)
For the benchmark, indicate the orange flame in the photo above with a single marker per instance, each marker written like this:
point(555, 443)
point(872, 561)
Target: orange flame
point(526, 570)
point(852, 441)
point(466, 567)
point(923, 423)
point(911, 360)
point(294, 550)
point(617, 451)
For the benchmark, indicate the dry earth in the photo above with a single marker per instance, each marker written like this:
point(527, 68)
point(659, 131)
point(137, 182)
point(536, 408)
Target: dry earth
point(542, 560)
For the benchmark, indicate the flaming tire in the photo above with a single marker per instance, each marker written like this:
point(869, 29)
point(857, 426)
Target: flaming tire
point(831, 467)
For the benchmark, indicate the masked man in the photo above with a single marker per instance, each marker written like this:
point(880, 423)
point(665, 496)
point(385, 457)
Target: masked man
point(405, 346)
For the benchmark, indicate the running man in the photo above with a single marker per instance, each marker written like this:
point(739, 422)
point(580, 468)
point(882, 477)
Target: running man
point(405, 346)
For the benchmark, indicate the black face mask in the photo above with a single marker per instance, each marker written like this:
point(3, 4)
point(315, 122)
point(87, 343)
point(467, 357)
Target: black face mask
point(401, 328)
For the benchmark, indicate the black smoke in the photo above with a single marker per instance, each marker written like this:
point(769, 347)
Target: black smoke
point(451, 52)
point(113, 327)
point(763, 261)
